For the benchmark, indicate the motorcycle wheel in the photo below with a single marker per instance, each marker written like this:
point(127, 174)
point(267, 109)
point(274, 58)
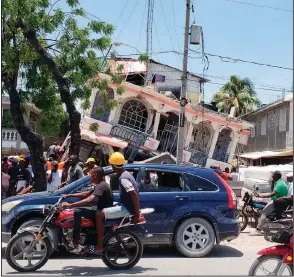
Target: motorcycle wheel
point(17, 250)
point(112, 249)
point(244, 217)
point(262, 259)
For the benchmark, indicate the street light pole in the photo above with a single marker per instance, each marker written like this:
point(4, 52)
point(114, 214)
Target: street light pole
point(183, 100)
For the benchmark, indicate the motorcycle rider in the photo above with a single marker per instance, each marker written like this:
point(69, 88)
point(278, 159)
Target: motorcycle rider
point(280, 190)
point(282, 203)
point(129, 199)
point(102, 191)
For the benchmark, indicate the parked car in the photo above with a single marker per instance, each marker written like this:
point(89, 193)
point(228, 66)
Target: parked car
point(194, 207)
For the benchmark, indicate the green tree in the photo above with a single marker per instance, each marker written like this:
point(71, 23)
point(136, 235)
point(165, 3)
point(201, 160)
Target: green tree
point(237, 93)
point(48, 59)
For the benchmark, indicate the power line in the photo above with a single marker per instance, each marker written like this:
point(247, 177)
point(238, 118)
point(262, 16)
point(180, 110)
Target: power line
point(259, 6)
point(146, 1)
point(175, 24)
point(127, 20)
point(158, 41)
point(168, 28)
point(235, 60)
point(221, 84)
point(121, 13)
point(240, 60)
point(265, 86)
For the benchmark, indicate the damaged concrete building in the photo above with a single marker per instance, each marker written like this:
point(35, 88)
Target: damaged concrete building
point(145, 122)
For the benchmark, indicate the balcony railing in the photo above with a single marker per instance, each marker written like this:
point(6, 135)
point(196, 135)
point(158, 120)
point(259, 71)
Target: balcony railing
point(10, 135)
point(198, 157)
point(134, 137)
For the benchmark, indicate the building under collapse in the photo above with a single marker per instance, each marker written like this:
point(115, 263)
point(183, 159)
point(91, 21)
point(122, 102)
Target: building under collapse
point(145, 123)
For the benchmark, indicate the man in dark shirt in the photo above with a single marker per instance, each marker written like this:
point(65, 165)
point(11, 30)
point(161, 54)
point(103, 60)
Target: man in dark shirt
point(102, 191)
point(129, 199)
point(75, 172)
point(13, 173)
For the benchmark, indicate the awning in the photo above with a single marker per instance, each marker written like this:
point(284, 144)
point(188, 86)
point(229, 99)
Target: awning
point(98, 138)
point(266, 154)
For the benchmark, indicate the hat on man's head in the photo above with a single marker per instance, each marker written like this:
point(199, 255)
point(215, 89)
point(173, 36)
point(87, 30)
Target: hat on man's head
point(90, 160)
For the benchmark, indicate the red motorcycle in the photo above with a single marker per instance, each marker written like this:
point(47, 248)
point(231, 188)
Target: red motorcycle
point(280, 231)
point(35, 245)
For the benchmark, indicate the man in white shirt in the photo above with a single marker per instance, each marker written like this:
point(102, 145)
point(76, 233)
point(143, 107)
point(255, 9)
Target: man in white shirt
point(53, 177)
point(234, 174)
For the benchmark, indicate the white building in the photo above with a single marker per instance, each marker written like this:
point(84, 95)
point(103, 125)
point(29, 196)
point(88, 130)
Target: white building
point(148, 120)
point(11, 141)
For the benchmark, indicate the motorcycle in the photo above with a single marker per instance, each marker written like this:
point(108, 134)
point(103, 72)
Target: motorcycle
point(279, 231)
point(250, 208)
point(35, 244)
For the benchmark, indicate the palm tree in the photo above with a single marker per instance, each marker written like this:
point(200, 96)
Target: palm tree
point(237, 93)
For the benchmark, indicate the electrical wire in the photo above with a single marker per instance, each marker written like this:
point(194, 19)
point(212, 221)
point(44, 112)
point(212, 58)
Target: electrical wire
point(121, 13)
point(221, 57)
point(173, 6)
point(168, 30)
point(241, 60)
point(259, 6)
point(127, 20)
point(258, 88)
point(140, 32)
point(193, 12)
point(158, 41)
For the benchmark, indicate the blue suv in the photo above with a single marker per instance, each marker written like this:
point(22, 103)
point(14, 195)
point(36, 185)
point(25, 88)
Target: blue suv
point(194, 207)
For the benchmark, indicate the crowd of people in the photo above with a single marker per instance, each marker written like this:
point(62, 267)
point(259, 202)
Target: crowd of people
point(18, 176)
point(226, 174)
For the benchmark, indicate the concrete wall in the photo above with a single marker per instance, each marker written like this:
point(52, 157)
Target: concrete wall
point(277, 121)
point(173, 77)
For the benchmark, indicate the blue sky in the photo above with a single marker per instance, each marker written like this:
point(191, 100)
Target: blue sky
point(230, 29)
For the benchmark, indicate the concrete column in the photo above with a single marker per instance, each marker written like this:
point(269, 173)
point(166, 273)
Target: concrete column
point(233, 147)
point(189, 135)
point(114, 115)
point(150, 119)
point(291, 117)
point(213, 143)
point(156, 124)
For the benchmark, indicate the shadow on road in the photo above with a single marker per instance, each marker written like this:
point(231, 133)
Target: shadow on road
point(87, 271)
point(220, 251)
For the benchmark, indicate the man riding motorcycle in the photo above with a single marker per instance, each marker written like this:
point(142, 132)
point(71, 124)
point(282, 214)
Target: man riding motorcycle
point(102, 192)
point(282, 203)
point(129, 199)
point(280, 190)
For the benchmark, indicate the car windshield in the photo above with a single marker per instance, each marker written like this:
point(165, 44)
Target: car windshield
point(73, 185)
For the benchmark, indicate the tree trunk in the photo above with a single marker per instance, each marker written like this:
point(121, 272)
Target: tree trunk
point(33, 140)
point(63, 87)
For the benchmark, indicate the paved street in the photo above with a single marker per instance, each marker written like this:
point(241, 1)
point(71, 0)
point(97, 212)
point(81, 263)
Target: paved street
point(233, 258)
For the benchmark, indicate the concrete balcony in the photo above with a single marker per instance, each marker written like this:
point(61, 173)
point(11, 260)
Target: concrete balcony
point(9, 135)
point(222, 165)
point(11, 140)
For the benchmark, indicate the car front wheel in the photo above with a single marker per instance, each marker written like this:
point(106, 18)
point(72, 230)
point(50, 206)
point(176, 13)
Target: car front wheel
point(195, 237)
point(36, 222)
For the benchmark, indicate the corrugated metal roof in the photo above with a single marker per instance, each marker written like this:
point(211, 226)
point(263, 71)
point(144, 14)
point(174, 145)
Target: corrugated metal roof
point(265, 154)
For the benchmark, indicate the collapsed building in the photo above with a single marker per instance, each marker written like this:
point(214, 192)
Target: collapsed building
point(145, 124)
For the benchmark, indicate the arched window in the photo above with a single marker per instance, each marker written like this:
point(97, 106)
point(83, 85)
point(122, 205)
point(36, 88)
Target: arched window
point(200, 139)
point(222, 145)
point(134, 114)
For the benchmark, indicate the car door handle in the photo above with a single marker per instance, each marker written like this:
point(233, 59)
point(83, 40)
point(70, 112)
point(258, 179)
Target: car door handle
point(180, 197)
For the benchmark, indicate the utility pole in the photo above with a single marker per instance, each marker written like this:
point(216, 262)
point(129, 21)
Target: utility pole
point(183, 100)
point(149, 35)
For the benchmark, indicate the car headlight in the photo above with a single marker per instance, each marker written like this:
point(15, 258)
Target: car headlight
point(10, 205)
